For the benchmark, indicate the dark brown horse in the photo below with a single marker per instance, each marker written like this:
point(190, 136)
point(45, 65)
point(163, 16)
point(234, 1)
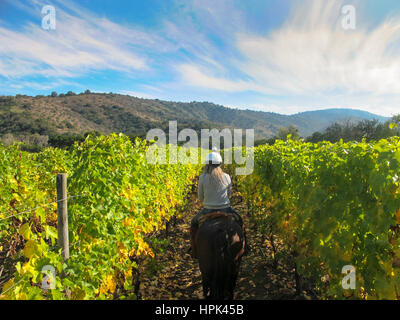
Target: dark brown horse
point(220, 245)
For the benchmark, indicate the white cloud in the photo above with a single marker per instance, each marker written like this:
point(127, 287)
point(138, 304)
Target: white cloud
point(194, 76)
point(312, 56)
point(80, 43)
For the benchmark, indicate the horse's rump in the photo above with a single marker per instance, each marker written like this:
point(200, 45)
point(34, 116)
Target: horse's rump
point(219, 241)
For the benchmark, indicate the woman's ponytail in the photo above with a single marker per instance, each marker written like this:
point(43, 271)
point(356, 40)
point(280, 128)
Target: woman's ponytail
point(216, 173)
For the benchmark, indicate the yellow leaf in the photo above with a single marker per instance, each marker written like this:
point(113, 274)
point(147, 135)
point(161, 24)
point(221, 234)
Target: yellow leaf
point(21, 296)
point(127, 222)
point(30, 248)
point(17, 197)
point(108, 284)
point(25, 231)
point(8, 285)
point(128, 274)
point(27, 268)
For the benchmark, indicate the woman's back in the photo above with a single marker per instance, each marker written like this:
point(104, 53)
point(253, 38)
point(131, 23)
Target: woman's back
point(213, 192)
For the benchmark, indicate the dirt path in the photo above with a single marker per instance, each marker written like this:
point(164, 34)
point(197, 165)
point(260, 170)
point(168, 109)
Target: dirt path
point(175, 275)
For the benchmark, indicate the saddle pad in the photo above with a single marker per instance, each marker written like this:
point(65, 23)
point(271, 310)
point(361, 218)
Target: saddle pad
point(213, 215)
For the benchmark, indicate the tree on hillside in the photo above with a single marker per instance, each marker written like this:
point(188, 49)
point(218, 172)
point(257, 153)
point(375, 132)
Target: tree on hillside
point(334, 133)
point(316, 137)
point(264, 141)
point(365, 129)
point(54, 94)
point(395, 119)
point(285, 131)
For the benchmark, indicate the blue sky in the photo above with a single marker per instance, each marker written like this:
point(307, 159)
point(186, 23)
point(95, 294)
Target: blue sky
point(283, 56)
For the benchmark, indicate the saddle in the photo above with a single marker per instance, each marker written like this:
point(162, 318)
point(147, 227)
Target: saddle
point(213, 215)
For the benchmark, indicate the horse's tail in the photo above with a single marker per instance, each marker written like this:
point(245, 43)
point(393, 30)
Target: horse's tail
point(222, 271)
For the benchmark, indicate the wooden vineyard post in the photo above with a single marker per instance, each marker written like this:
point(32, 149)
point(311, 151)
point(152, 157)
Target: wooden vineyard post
point(62, 211)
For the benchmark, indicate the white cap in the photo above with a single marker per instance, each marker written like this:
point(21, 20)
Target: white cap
point(214, 157)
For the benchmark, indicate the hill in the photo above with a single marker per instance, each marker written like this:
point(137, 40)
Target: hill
point(105, 113)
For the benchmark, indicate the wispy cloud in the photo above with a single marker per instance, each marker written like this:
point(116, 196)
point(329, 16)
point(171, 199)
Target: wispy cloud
point(196, 76)
point(311, 55)
point(80, 43)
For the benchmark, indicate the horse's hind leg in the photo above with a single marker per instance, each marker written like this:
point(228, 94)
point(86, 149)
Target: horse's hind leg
point(206, 288)
point(232, 282)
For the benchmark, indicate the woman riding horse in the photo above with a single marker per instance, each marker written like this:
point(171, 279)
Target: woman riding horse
point(213, 190)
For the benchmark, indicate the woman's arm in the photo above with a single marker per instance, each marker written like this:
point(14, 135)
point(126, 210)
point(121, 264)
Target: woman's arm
point(200, 189)
point(229, 184)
